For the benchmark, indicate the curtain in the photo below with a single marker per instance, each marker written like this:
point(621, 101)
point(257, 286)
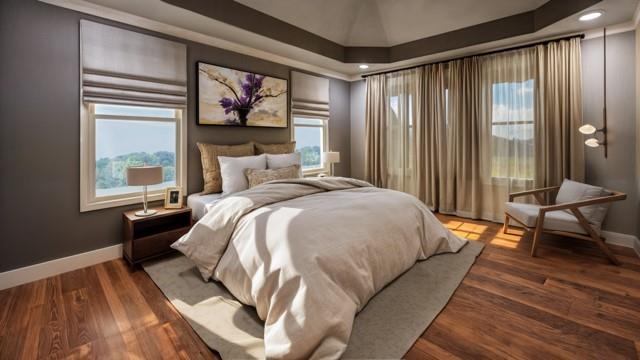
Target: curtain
point(462, 135)
point(507, 145)
point(393, 108)
point(432, 138)
point(404, 110)
point(375, 168)
point(559, 90)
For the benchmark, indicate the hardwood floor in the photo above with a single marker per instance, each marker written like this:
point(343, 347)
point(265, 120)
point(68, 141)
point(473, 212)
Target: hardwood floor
point(567, 303)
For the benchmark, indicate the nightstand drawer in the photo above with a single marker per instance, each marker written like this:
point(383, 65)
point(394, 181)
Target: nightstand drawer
point(156, 244)
point(149, 236)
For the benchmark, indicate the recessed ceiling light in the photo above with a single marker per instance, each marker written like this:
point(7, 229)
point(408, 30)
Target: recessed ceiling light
point(591, 15)
point(363, 66)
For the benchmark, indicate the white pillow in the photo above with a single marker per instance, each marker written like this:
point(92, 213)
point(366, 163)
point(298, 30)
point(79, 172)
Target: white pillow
point(279, 161)
point(571, 191)
point(232, 171)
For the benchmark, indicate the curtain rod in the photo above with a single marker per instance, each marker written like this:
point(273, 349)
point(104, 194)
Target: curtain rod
point(581, 36)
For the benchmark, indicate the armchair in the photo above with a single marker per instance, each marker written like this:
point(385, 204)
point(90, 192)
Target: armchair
point(578, 212)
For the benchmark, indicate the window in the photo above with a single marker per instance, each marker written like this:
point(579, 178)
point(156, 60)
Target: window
point(311, 135)
point(512, 131)
point(118, 136)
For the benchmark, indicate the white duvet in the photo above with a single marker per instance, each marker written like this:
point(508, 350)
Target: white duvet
point(309, 253)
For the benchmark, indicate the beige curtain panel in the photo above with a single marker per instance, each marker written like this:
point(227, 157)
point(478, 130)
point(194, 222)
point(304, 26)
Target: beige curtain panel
point(125, 67)
point(463, 134)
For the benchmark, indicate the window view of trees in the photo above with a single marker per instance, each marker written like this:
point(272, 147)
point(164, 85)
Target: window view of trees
point(311, 156)
point(110, 172)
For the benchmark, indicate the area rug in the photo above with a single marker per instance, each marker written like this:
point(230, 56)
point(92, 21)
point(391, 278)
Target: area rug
point(385, 329)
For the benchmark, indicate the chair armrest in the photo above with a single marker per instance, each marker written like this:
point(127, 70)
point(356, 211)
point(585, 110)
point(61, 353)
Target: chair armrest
point(532, 192)
point(616, 196)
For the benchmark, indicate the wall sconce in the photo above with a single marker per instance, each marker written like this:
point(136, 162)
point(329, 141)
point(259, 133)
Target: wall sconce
point(593, 142)
point(588, 129)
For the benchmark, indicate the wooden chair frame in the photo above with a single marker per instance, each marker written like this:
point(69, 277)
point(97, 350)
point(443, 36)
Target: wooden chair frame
point(574, 207)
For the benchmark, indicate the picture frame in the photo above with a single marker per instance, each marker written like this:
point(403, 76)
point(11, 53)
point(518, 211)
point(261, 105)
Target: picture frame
point(239, 98)
point(173, 198)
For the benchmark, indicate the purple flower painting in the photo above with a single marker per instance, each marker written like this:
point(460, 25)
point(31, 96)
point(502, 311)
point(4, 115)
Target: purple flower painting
point(233, 97)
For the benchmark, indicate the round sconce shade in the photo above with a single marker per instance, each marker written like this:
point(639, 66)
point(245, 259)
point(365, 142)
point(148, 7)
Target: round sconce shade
point(587, 129)
point(144, 175)
point(592, 142)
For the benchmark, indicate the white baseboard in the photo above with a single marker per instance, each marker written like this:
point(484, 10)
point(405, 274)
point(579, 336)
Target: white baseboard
point(625, 240)
point(46, 269)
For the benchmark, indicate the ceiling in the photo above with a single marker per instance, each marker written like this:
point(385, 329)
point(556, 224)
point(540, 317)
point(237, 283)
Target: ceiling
point(160, 16)
point(387, 22)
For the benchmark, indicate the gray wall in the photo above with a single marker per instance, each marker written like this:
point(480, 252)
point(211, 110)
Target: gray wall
point(637, 129)
point(358, 92)
point(40, 129)
point(617, 171)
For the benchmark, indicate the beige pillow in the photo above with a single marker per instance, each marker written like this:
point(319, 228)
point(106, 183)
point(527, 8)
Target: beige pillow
point(285, 148)
point(211, 167)
point(257, 177)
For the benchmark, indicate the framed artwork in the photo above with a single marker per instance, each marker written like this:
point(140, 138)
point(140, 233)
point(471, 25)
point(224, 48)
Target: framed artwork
point(173, 198)
point(239, 98)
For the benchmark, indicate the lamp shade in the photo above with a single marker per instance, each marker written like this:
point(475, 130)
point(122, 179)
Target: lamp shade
point(592, 142)
point(332, 157)
point(587, 129)
point(144, 175)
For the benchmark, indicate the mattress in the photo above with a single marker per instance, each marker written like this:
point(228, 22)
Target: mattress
point(200, 204)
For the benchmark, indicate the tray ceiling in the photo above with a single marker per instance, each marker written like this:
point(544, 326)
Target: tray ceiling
point(387, 22)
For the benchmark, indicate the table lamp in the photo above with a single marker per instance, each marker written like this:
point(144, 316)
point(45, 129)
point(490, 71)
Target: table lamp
point(144, 176)
point(332, 157)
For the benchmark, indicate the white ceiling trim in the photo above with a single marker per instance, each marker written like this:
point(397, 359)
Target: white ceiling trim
point(148, 24)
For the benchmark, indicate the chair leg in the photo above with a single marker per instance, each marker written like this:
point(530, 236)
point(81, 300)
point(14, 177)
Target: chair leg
point(505, 227)
point(536, 235)
point(596, 238)
point(605, 249)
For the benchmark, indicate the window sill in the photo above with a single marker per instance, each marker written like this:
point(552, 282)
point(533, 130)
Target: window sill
point(129, 199)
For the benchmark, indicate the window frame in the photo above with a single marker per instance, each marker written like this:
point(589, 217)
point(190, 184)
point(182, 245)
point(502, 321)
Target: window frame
point(325, 142)
point(88, 199)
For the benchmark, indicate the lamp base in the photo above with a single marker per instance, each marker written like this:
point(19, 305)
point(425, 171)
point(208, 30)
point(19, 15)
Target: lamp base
point(148, 212)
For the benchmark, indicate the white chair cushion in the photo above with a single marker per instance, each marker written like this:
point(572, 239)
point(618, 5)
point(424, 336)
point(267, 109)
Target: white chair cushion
point(554, 220)
point(232, 171)
point(571, 191)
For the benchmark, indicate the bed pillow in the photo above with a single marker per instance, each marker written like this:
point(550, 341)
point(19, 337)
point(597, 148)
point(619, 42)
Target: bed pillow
point(285, 148)
point(211, 168)
point(278, 161)
point(232, 171)
point(257, 177)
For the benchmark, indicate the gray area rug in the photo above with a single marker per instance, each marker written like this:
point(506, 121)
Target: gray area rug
point(385, 329)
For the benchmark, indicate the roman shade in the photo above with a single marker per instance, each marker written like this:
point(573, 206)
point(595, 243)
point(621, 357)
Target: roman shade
point(309, 95)
point(125, 67)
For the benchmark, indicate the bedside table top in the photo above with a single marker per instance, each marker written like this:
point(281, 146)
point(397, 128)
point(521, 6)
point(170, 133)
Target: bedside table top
point(161, 212)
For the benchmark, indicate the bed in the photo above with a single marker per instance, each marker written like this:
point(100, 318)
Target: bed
point(309, 254)
point(200, 203)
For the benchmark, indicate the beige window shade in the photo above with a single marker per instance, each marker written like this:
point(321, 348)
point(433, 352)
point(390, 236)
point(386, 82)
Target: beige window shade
point(125, 67)
point(309, 95)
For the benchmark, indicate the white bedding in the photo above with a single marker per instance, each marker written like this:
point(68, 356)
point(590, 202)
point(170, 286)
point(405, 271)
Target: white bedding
point(200, 204)
point(308, 254)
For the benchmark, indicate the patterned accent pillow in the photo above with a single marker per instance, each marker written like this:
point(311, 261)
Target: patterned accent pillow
point(285, 148)
point(257, 177)
point(211, 167)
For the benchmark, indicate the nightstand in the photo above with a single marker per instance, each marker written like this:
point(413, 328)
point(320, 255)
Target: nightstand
point(150, 236)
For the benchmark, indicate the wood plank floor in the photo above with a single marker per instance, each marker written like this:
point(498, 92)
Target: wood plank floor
point(567, 303)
